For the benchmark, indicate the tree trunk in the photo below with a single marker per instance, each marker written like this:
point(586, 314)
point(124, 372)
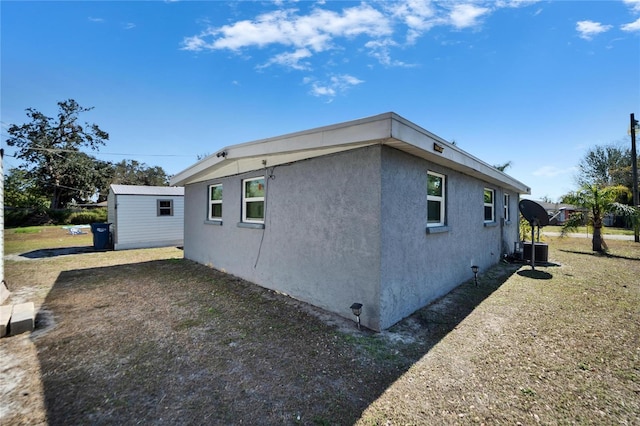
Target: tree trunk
point(55, 199)
point(597, 224)
point(597, 239)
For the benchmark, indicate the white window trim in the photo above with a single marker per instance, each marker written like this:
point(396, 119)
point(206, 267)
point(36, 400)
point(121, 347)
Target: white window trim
point(159, 208)
point(507, 209)
point(212, 202)
point(246, 200)
point(492, 204)
point(441, 199)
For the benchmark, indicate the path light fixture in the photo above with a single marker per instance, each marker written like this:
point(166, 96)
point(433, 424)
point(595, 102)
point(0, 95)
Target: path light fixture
point(356, 308)
point(474, 269)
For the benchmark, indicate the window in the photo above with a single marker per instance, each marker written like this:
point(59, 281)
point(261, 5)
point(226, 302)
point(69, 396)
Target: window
point(507, 211)
point(253, 200)
point(165, 207)
point(435, 199)
point(215, 202)
point(489, 210)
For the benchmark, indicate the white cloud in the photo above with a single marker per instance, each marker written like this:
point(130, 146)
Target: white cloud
point(322, 30)
point(315, 31)
point(291, 60)
point(294, 35)
point(632, 26)
point(418, 15)
point(194, 43)
point(588, 29)
point(92, 19)
point(466, 15)
point(633, 4)
point(381, 50)
point(128, 25)
point(336, 85)
point(515, 3)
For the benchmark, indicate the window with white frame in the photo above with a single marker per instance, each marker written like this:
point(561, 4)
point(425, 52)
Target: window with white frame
point(165, 207)
point(215, 202)
point(489, 205)
point(435, 199)
point(507, 210)
point(253, 200)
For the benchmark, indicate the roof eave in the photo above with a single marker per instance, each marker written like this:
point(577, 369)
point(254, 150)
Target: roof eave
point(384, 129)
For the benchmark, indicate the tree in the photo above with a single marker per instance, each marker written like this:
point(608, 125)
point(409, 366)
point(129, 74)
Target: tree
point(608, 165)
point(597, 202)
point(503, 167)
point(21, 191)
point(130, 172)
point(51, 147)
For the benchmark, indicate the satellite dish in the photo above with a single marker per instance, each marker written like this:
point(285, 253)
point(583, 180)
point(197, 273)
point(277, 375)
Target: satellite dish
point(534, 213)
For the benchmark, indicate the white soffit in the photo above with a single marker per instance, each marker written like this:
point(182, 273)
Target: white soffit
point(384, 129)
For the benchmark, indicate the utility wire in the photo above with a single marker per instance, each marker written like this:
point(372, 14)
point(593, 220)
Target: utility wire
point(108, 153)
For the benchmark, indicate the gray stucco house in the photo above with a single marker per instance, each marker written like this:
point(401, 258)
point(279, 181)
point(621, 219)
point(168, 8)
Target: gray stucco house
point(377, 211)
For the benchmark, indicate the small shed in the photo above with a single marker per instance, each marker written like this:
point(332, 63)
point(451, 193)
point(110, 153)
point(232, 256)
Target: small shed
point(146, 216)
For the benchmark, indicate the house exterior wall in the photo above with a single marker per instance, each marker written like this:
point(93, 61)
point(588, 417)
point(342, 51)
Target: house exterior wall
point(136, 224)
point(321, 239)
point(418, 267)
point(351, 227)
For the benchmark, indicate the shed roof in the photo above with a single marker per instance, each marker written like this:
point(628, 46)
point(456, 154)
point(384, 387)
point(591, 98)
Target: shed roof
point(146, 190)
point(383, 129)
point(557, 206)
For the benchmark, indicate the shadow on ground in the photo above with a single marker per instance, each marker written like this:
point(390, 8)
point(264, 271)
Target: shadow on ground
point(175, 342)
point(600, 254)
point(535, 274)
point(63, 251)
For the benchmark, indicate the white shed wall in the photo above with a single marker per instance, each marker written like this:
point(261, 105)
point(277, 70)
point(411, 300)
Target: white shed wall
point(136, 224)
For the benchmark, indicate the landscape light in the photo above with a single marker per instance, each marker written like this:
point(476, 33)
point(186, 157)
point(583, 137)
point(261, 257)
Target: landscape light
point(475, 268)
point(356, 308)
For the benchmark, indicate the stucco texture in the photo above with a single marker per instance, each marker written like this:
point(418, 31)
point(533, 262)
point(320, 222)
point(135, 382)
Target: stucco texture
point(349, 227)
point(418, 267)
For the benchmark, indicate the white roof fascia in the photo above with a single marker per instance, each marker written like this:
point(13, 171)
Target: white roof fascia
point(285, 149)
point(419, 142)
point(118, 189)
point(384, 129)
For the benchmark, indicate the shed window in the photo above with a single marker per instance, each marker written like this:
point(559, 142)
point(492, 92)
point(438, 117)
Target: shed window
point(507, 210)
point(489, 205)
point(215, 202)
point(253, 192)
point(165, 207)
point(435, 199)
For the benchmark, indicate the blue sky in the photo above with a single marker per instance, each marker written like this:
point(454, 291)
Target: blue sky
point(536, 83)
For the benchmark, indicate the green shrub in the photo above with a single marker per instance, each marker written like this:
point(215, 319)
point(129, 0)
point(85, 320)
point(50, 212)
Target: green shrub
point(59, 216)
point(87, 216)
point(16, 217)
point(31, 217)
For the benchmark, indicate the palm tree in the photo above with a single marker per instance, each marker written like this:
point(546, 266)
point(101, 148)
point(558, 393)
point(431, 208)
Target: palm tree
point(597, 202)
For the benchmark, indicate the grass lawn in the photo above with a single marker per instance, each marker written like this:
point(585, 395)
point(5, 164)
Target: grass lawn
point(585, 230)
point(145, 336)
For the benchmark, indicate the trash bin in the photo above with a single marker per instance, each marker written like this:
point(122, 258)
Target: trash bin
point(100, 235)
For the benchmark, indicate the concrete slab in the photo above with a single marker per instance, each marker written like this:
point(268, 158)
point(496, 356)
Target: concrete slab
point(4, 292)
point(5, 316)
point(23, 318)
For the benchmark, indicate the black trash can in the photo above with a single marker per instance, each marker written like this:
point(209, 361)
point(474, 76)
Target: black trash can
point(101, 235)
